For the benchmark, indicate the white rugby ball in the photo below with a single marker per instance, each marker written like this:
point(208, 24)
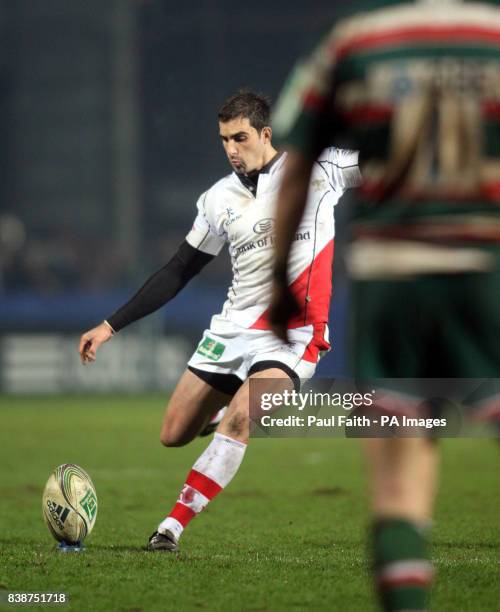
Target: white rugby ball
point(69, 504)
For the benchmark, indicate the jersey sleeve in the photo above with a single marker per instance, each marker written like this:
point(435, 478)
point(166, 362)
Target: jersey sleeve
point(203, 235)
point(342, 167)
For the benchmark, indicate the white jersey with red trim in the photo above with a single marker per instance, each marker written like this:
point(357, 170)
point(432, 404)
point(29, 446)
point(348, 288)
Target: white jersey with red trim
point(230, 213)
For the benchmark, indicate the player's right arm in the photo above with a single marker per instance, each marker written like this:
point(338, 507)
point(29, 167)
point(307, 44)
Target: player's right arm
point(202, 244)
point(300, 123)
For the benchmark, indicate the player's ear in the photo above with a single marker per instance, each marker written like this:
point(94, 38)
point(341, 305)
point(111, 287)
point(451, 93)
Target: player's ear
point(267, 133)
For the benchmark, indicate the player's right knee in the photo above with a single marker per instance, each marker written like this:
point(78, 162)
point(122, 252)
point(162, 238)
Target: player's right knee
point(237, 425)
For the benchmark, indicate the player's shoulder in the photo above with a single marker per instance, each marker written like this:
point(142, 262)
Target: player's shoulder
point(217, 192)
point(221, 187)
point(342, 167)
point(224, 184)
point(342, 158)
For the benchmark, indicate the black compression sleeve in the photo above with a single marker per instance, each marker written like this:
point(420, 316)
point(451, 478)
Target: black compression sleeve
point(162, 286)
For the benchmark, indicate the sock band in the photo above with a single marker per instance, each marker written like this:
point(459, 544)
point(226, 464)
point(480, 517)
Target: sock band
point(182, 513)
point(402, 569)
point(203, 484)
point(414, 572)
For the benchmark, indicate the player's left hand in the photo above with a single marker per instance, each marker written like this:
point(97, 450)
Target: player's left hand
point(283, 307)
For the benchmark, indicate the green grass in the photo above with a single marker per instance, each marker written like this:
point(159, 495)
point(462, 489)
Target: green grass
point(288, 533)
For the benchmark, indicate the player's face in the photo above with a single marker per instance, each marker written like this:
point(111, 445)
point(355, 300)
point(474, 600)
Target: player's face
point(245, 147)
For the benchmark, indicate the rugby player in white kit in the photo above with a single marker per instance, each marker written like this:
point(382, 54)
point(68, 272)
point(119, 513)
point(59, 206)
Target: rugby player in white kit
point(238, 210)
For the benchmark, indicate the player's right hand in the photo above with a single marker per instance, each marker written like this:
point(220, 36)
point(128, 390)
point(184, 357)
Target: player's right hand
point(92, 340)
point(282, 308)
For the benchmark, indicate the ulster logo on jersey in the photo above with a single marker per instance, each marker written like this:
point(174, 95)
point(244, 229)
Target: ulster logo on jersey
point(264, 226)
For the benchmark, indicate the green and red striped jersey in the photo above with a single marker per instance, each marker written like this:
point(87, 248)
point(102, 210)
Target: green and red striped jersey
point(415, 87)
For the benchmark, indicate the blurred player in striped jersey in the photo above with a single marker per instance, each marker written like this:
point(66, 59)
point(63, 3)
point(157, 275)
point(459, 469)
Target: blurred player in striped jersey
point(238, 211)
point(416, 88)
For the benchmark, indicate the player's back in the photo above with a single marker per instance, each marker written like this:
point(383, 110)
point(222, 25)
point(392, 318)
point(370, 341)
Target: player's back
point(419, 85)
point(418, 92)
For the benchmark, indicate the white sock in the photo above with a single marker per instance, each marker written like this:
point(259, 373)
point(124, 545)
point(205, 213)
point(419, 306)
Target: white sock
point(211, 473)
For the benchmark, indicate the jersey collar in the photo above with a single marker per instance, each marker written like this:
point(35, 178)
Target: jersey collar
point(250, 181)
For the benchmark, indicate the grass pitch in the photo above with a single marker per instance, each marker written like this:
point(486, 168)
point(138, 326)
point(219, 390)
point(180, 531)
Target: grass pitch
point(288, 533)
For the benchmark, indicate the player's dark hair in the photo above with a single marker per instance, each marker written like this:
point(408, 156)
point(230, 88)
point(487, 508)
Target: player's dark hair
point(248, 105)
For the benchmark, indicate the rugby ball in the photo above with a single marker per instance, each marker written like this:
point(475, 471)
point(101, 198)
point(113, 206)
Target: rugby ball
point(69, 504)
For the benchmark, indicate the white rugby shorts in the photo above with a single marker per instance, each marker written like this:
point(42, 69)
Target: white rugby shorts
point(227, 348)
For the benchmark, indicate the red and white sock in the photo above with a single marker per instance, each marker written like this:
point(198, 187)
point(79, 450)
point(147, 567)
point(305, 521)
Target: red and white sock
point(211, 473)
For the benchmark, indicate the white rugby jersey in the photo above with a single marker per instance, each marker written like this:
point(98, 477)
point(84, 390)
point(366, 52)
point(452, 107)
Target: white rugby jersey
point(230, 213)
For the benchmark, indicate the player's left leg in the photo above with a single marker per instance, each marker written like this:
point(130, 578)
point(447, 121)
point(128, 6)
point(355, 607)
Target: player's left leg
point(403, 476)
point(389, 343)
point(218, 464)
point(403, 481)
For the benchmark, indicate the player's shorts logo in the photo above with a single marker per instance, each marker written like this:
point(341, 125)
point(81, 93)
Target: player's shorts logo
point(211, 348)
point(264, 226)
